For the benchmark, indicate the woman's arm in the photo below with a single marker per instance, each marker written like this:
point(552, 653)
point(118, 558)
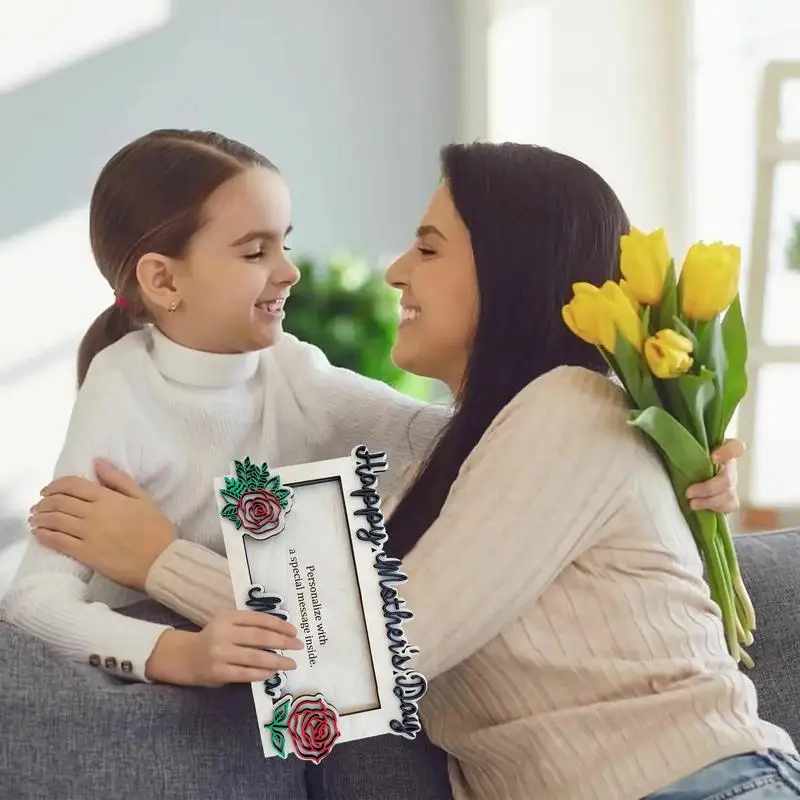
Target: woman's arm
point(191, 580)
point(50, 597)
point(530, 499)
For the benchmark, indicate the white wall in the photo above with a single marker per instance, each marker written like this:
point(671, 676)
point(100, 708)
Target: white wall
point(602, 81)
point(352, 100)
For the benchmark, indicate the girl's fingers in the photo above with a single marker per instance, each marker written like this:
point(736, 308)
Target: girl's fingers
point(244, 675)
point(257, 659)
point(269, 622)
point(264, 639)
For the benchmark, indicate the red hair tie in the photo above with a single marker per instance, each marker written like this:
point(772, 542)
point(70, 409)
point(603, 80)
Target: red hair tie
point(121, 302)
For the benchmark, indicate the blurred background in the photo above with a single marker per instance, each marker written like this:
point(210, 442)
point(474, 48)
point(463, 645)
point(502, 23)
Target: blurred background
point(688, 107)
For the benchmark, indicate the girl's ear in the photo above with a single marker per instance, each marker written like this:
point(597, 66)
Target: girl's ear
point(157, 275)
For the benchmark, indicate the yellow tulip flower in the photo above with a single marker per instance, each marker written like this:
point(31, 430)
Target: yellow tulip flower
point(668, 354)
point(623, 312)
point(644, 261)
point(709, 279)
point(587, 316)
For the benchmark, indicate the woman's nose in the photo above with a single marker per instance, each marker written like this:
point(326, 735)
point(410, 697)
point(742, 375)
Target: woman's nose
point(397, 273)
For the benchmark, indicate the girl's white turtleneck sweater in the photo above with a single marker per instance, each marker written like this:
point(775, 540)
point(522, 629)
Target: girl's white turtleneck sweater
point(175, 419)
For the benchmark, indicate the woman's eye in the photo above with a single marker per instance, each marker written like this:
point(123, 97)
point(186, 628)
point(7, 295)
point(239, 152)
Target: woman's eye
point(254, 256)
point(287, 248)
point(426, 251)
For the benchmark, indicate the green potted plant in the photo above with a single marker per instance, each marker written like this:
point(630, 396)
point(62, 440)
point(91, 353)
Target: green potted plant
point(345, 308)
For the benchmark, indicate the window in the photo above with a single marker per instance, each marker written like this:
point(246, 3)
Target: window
point(746, 188)
point(48, 289)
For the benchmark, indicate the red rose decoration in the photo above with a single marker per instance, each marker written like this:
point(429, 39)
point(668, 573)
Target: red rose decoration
point(261, 513)
point(313, 728)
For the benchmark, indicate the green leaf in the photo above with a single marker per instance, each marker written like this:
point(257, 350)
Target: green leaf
point(634, 374)
point(734, 381)
point(668, 307)
point(241, 469)
point(263, 477)
point(697, 392)
point(677, 445)
point(646, 314)
point(278, 742)
point(684, 330)
point(274, 483)
point(710, 353)
point(282, 494)
point(251, 472)
point(234, 488)
point(228, 511)
point(281, 712)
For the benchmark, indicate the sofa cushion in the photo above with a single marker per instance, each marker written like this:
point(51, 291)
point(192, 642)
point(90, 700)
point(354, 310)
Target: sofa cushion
point(770, 565)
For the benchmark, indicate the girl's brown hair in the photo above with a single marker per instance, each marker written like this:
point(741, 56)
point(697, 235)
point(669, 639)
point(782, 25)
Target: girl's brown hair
point(149, 198)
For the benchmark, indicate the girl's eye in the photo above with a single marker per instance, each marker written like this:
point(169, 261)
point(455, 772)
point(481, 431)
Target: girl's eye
point(426, 251)
point(254, 256)
point(287, 249)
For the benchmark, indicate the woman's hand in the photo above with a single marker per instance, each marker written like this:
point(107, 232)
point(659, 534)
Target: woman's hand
point(719, 493)
point(233, 648)
point(111, 527)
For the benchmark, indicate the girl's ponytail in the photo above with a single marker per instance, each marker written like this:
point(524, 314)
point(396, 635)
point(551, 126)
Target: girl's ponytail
point(112, 324)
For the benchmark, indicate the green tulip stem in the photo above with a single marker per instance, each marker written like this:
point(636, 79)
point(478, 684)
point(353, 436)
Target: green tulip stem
point(721, 593)
point(724, 533)
point(746, 637)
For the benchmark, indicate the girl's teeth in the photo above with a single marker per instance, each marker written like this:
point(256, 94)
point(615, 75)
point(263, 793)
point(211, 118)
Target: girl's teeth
point(407, 314)
point(274, 306)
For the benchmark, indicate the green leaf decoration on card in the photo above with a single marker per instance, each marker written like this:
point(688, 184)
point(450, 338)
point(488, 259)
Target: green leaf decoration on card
point(255, 500)
point(279, 742)
point(281, 712)
point(280, 722)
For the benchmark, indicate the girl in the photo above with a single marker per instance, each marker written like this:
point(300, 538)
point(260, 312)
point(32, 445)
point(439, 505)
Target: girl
point(186, 370)
point(561, 611)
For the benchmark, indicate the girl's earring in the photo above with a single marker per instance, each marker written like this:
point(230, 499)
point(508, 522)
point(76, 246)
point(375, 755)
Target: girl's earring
point(174, 306)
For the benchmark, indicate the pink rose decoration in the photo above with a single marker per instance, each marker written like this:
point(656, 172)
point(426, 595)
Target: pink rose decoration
point(261, 513)
point(313, 728)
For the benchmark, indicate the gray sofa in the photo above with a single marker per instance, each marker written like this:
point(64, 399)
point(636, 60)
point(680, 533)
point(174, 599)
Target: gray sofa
point(770, 566)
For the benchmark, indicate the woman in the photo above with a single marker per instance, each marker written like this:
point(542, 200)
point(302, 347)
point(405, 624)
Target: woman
point(586, 659)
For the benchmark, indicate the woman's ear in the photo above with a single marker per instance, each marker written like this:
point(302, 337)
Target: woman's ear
point(156, 275)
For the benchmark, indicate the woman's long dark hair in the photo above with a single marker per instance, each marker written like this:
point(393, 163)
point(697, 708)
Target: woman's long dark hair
point(539, 221)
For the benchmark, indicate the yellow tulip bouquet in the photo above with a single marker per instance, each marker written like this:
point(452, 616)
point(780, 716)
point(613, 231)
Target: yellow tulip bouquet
point(679, 348)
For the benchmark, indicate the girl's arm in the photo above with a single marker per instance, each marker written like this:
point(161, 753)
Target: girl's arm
point(530, 498)
point(50, 597)
point(345, 409)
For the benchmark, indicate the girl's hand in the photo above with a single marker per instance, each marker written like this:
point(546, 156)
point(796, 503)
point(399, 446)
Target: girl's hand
point(719, 493)
point(232, 648)
point(111, 527)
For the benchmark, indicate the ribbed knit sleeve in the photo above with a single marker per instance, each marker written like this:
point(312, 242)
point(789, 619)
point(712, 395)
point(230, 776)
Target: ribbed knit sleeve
point(529, 499)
